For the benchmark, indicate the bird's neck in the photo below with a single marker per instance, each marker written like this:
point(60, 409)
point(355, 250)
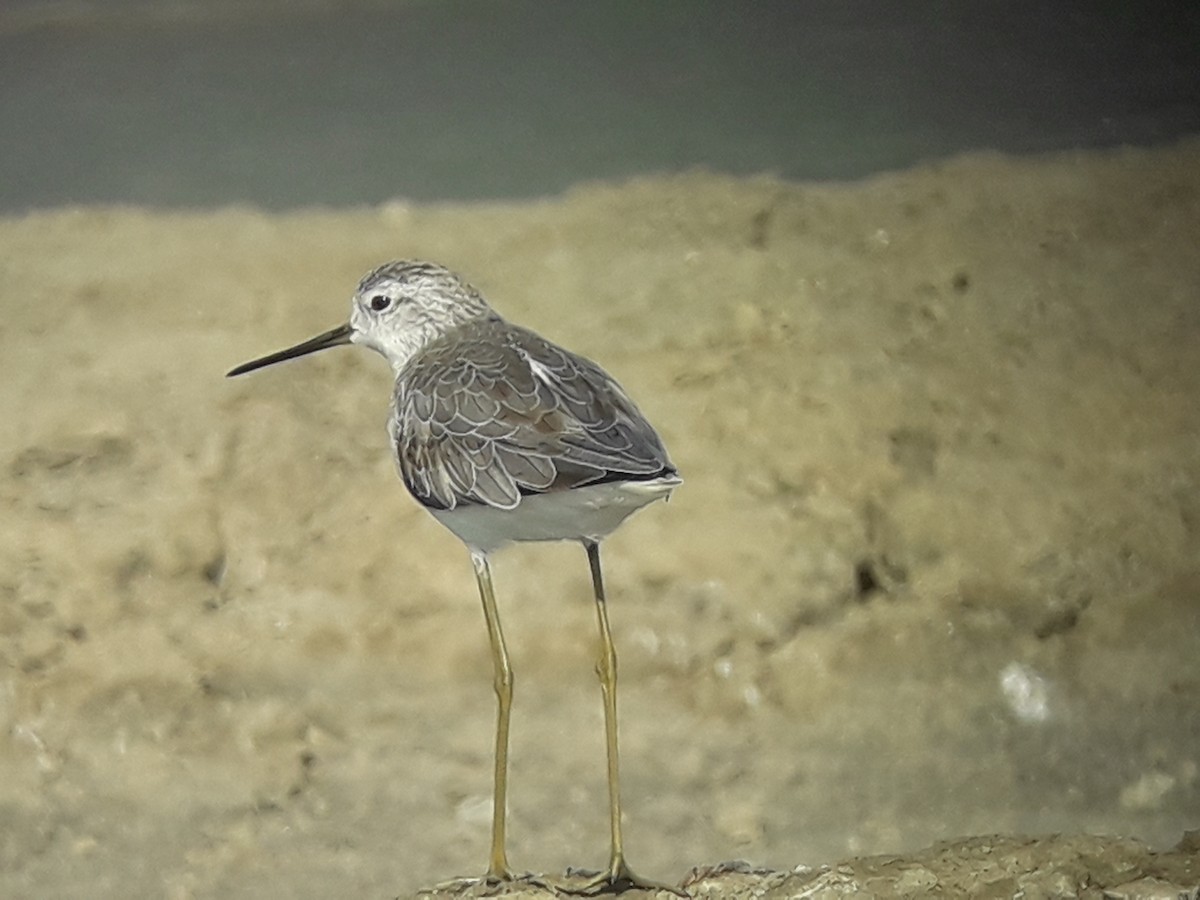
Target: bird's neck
point(403, 347)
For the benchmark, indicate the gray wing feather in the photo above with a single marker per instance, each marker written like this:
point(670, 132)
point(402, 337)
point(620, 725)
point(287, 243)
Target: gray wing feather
point(478, 420)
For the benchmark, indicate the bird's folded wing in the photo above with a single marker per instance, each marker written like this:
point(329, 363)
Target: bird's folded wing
point(478, 420)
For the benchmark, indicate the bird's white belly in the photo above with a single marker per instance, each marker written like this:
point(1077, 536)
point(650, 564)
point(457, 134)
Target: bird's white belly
point(582, 514)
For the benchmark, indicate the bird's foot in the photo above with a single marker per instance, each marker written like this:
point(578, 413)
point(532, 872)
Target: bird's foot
point(618, 879)
point(489, 885)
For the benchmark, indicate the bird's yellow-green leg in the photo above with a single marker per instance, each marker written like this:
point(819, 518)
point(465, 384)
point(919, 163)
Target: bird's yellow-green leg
point(503, 683)
point(618, 877)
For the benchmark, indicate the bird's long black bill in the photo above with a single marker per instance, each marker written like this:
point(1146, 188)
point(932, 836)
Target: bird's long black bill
point(333, 338)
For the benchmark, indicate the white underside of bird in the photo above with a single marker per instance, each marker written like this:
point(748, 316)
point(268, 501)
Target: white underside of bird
point(588, 513)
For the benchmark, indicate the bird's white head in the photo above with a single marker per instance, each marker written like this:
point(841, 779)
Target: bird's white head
point(402, 306)
point(397, 310)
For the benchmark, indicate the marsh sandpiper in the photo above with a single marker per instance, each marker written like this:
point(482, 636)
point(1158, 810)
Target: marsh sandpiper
point(504, 436)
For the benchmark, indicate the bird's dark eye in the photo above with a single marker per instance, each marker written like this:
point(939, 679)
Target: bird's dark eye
point(380, 302)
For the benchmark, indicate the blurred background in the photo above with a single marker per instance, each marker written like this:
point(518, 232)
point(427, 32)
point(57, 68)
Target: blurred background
point(286, 104)
point(915, 320)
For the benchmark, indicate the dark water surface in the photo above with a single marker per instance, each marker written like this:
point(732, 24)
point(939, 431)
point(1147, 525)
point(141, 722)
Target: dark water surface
point(286, 105)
